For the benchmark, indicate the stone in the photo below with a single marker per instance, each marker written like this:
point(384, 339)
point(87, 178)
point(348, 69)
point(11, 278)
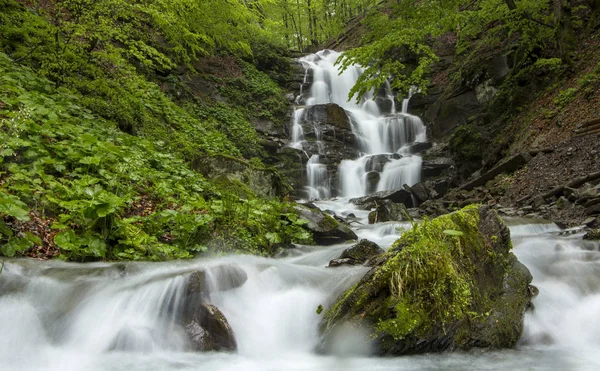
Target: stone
point(230, 171)
point(400, 196)
point(484, 292)
point(219, 278)
point(387, 211)
point(594, 234)
point(325, 229)
point(446, 114)
point(592, 222)
point(593, 209)
point(509, 165)
point(538, 201)
point(373, 178)
point(436, 167)
point(562, 203)
point(362, 251)
point(358, 254)
point(208, 329)
point(377, 162)
point(417, 147)
point(338, 262)
point(420, 192)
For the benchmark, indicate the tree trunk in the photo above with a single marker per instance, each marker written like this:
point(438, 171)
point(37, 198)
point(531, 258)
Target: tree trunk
point(564, 29)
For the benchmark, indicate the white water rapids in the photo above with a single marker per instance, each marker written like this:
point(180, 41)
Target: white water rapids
point(384, 136)
point(103, 316)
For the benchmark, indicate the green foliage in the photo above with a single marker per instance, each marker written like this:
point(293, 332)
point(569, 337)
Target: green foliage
point(400, 44)
point(111, 195)
point(466, 143)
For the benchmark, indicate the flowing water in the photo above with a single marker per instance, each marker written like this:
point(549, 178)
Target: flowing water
point(114, 316)
point(384, 136)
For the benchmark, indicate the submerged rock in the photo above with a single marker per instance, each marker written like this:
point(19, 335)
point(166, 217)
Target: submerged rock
point(325, 229)
point(208, 329)
point(450, 283)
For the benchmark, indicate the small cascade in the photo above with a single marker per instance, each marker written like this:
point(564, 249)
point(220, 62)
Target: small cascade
point(317, 179)
point(382, 135)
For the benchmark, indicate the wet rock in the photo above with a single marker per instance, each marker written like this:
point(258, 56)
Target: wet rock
point(418, 147)
point(225, 169)
point(400, 196)
point(444, 115)
point(436, 167)
point(208, 329)
point(338, 262)
point(325, 229)
point(373, 178)
point(420, 192)
point(387, 211)
point(219, 278)
point(593, 208)
point(538, 201)
point(508, 166)
point(594, 234)
point(433, 207)
point(484, 290)
point(562, 203)
point(592, 222)
point(377, 162)
point(362, 251)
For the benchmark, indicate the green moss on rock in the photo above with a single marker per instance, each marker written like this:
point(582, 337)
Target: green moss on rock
point(450, 282)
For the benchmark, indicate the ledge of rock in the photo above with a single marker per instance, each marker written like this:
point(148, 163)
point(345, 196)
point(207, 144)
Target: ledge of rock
point(325, 229)
point(450, 283)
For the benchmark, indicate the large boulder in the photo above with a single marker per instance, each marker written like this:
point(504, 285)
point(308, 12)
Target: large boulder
point(449, 283)
point(208, 329)
point(325, 229)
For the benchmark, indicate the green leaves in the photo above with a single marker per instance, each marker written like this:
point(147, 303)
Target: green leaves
point(19, 244)
point(12, 206)
point(88, 245)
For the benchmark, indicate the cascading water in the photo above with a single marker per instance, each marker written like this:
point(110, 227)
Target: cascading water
point(104, 316)
point(383, 135)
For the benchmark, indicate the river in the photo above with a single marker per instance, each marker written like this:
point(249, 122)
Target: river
point(115, 316)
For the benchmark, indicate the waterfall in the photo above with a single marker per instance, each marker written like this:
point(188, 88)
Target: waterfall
point(383, 135)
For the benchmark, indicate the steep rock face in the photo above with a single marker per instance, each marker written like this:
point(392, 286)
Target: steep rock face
point(450, 283)
point(328, 132)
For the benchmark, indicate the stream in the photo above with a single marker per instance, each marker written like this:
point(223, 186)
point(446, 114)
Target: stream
point(121, 316)
point(115, 316)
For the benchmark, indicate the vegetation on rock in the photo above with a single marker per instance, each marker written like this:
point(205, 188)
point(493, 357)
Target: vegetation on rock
point(440, 286)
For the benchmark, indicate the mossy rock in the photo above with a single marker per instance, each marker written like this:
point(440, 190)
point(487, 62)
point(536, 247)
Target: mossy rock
point(325, 229)
point(449, 283)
